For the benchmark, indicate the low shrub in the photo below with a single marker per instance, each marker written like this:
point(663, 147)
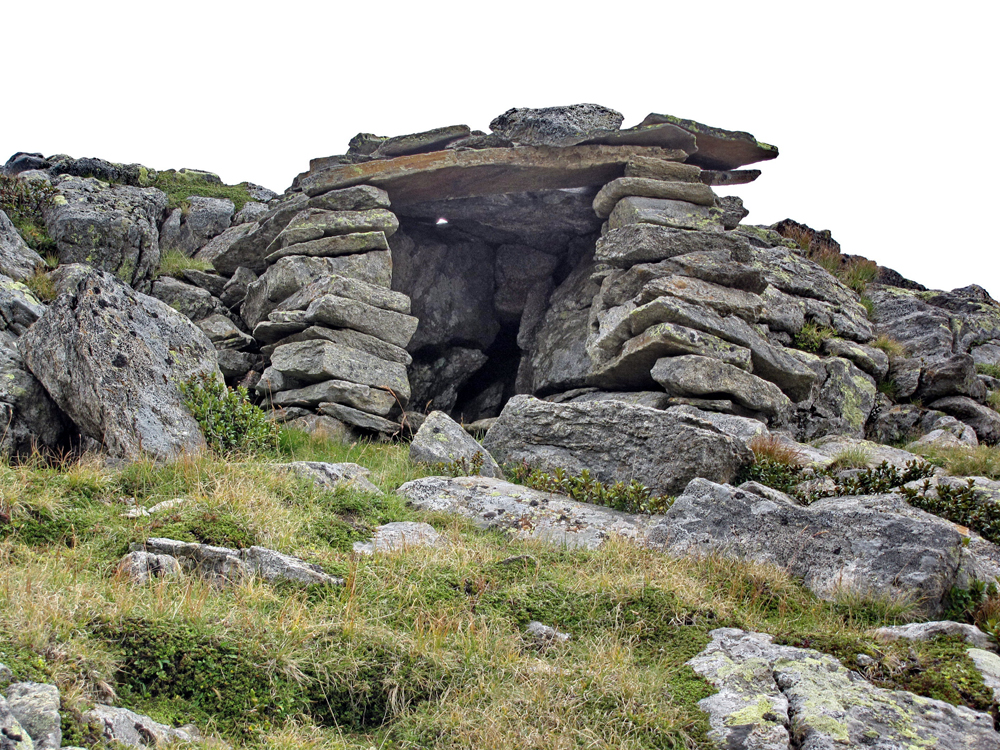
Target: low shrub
point(811, 337)
point(961, 505)
point(889, 345)
point(174, 263)
point(632, 497)
point(228, 420)
point(988, 369)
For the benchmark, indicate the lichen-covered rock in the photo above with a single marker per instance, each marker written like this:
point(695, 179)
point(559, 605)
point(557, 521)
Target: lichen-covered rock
point(840, 403)
point(615, 442)
point(12, 735)
point(693, 375)
point(442, 440)
point(332, 476)
point(623, 187)
point(191, 228)
point(116, 724)
point(191, 301)
point(250, 249)
point(523, 512)
point(141, 567)
point(112, 359)
point(316, 361)
point(555, 126)
point(780, 697)
point(17, 260)
point(36, 708)
point(667, 213)
point(926, 631)
point(648, 243)
point(358, 418)
point(112, 227)
point(984, 420)
point(398, 536)
point(224, 564)
point(19, 307)
point(874, 544)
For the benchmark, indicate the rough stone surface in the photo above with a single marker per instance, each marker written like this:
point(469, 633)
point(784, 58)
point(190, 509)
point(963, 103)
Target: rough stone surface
point(371, 400)
point(555, 126)
point(314, 224)
point(667, 213)
point(357, 198)
point(332, 476)
point(693, 375)
point(341, 312)
point(223, 333)
point(316, 360)
point(221, 243)
point(982, 419)
point(19, 307)
point(189, 230)
point(12, 735)
point(441, 439)
point(523, 512)
point(780, 697)
point(399, 536)
point(353, 339)
point(362, 419)
point(17, 260)
point(141, 567)
point(436, 380)
point(191, 301)
point(418, 143)
point(871, 544)
point(648, 243)
point(717, 148)
point(111, 359)
point(615, 442)
point(926, 631)
point(36, 708)
point(250, 250)
point(111, 227)
point(135, 730)
point(224, 564)
point(624, 187)
point(289, 275)
point(332, 246)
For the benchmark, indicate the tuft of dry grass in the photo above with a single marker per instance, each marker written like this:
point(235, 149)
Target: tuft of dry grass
point(771, 448)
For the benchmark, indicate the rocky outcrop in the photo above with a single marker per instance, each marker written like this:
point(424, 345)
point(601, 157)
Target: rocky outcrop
point(17, 260)
point(112, 358)
point(115, 724)
point(615, 442)
point(441, 440)
point(782, 697)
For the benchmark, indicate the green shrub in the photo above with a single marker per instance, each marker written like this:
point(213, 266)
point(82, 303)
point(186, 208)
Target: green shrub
point(811, 337)
point(987, 369)
point(181, 185)
point(632, 497)
point(174, 263)
point(961, 505)
point(229, 422)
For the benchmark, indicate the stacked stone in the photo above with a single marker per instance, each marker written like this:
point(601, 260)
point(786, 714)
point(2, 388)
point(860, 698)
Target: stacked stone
point(330, 329)
point(703, 309)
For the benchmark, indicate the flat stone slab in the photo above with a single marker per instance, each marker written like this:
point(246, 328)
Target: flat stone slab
point(623, 187)
point(925, 631)
point(329, 247)
point(524, 512)
point(439, 175)
point(665, 212)
point(780, 697)
point(398, 537)
point(332, 476)
point(717, 148)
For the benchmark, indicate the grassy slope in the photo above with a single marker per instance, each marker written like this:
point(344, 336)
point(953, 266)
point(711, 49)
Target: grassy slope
point(422, 649)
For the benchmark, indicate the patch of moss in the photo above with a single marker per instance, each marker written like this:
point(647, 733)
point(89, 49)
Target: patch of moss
point(181, 185)
point(215, 527)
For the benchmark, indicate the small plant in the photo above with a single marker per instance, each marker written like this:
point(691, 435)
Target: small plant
point(888, 388)
point(869, 304)
point(461, 466)
point(811, 337)
point(229, 422)
point(174, 263)
point(858, 273)
point(41, 286)
point(993, 400)
point(853, 457)
point(966, 461)
point(988, 369)
point(179, 186)
point(889, 345)
point(959, 504)
point(775, 464)
point(631, 497)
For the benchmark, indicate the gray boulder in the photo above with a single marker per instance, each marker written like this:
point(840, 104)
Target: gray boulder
point(251, 212)
point(525, 513)
point(221, 243)
point(667, 213)
point(141, 567)
point(12, 735)
point(345, 337)
point(223, 333)
point(332, 476)
point(289, 275)
point(112, 227)
point(36, 707)
point(371, 400)
point(615, 442)
point(780, 697)
point(314, 223)
point(190, 229)
point(111, 359)
point(250, 250)
point(19, 307)
point(342, 312)
point(210, 282)
point(694, 375)
point(235, 289)
point(442, 440)
point(555, 126)
point(29, 419)
point(224, 564)
point(648, 243)
point(926, 631)
point(874, 544)
point(191, 301)
point(17, 260)
point(358, 418)
point(135, 730)
point(317, 360)
point(982, 419)
point(840, 402)
point(355, 198)
point(419, 143)
point(399, 536)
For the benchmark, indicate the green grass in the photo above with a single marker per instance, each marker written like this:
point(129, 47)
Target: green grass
point(181, 185)
point(811, 337)
point(174, 263)
point(987, 369)
point(980, 461)
point(421, 649)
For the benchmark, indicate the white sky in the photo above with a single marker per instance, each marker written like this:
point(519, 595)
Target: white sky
point(884, 112)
